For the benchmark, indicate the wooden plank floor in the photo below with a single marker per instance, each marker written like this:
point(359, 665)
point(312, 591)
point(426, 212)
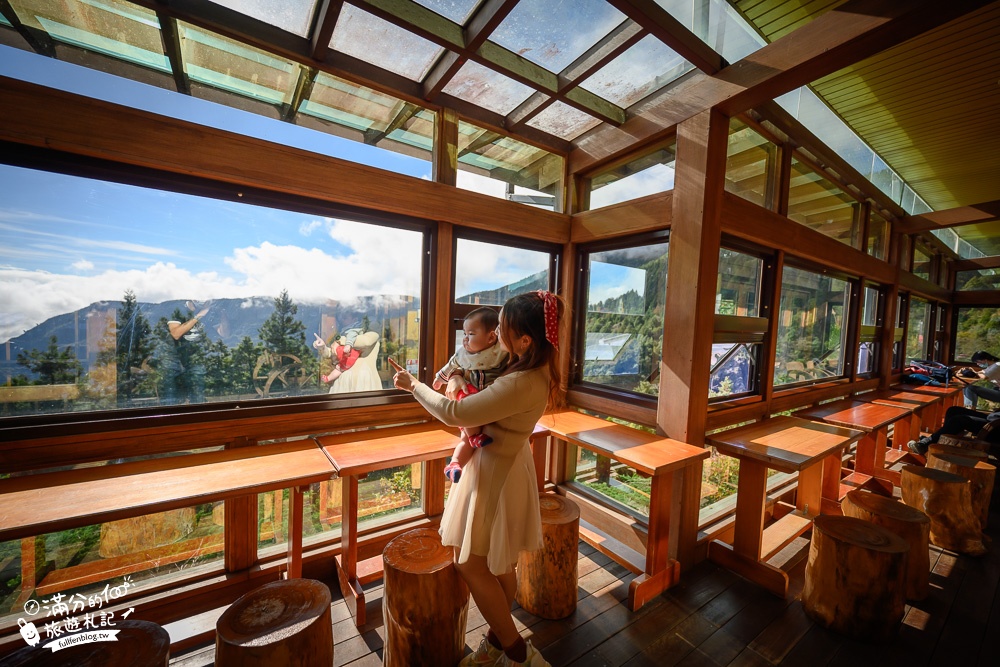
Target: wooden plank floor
point(714, 617)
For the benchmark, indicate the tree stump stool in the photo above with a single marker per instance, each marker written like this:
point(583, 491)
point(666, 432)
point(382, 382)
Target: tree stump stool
point(980, 475)
point(547, 579)
point(284, 622)
point(965, 441)
point(854, 581)
point(957, 450)
point(425, 602)
point(946, 499)
point(136, 643)
point(908, 522)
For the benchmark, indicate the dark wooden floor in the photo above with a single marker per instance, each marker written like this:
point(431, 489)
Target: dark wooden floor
point(714, 617)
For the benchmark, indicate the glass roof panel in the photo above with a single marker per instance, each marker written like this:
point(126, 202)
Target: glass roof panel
point(554, 33)
point(222, 63)
point(482, 86)
point(643, 69)
point(374, 115)
point(563, 121)
point(109, 27)
point(292, 15)
point(376, 41)
point(458, 11)
point(972, 241)
point(717, 24)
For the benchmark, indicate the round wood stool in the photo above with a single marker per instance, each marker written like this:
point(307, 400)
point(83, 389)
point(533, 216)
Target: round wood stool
point(946, 499)
point(980, 475)
point(965, 442)
point(908, 522)
point(136, 643)
point(854, 577)
point(283, 622)
point(425, 602)
point(956, 450)
point(547, 579)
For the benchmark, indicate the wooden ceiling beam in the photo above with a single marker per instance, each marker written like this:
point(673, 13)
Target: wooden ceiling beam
point(322, 32)
point(978, 263)
point(671, 32)
point(952, 217)
point(838, 38)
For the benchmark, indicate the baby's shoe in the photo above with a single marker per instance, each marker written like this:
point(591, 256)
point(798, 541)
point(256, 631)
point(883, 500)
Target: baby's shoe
point(479, 440)
point(453, 471)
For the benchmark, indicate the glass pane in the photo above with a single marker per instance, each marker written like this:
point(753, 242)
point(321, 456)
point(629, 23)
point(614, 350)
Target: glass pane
point(383, 44)
point(921, 263)
point(458, 11)
point(868, 358)
point(817, 203)
point(979, 279)
point(368, 116)
point(611, 479)
point(292, 15)
point(811, 327)
point(488, 274)
point(554, 34)
point(499, 166)
point(733, 370)
point(738, 292)
point(748, 163)
point(878, 236)
point(85, 570)
point(978, 329)
point(979, 240)
point(918, 331)
point(870, 308)
point(484, 87)
point(720, 477)
point(643, 176)
point(626, 293)
point(171, 298)
point(717, 24)
point(224, 64)
point(563, 121)
point(641, 70)
point(110, 27)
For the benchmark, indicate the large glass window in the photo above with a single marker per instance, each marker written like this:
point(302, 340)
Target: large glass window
point(816, 202)
point(625, 292)
point(812, 326)
point(978, 329)
point(118, 296)
point(871, 327)
point(922, 262)
point(739, 331)
point(878, 236)
point(918, 329)
point(489, 273)
point(646, 175)
point(750, 160)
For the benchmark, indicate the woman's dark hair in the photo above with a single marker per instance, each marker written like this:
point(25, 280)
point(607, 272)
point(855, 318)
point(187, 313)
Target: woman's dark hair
point(983, 356)
point(524, 315)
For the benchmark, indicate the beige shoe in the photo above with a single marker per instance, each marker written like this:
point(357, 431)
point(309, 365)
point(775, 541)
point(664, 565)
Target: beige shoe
point(534, 659)
point(484, 656)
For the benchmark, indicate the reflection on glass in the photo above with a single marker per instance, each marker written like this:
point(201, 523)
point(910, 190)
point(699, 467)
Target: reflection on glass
point(814, 201)
point(641, 70)
point(500, 166)
point(871, 302)
point(488, 274)
point(173, 298)
point(918, 330)
point(626, 292)
point(486, 88)
point(738, 291)
point(549, 35)
point(292, 15)
point(563, 121)
point(878, 236)
point(749, 161)
point(921, 263)
point(374, 40)
point(811, 327)
point(977, 330)
point(717, 24)
point(733, 369)
point(979, 279)
point(646, 175)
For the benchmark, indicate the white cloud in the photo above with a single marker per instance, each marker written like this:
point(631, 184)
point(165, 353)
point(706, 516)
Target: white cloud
point(82, 265)
point(307, 228)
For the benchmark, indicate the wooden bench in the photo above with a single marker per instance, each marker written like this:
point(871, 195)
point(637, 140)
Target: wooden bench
point(354, 455)
point(51, 502)
point(651, 455)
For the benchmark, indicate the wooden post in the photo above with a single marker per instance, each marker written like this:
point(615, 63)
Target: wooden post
point(547, 579)
point(980, 475)
point(281, 623)
point(425, 603)
point(908, 522)
point(854, 578)
point(946, 499)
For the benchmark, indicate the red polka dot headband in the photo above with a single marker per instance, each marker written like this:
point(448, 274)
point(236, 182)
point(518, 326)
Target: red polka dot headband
point(550, 306)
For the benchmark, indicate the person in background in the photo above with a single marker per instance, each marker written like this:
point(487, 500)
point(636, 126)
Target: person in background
point(492, 513)
point(182, 360)
point(958, 420)
point(989, 370)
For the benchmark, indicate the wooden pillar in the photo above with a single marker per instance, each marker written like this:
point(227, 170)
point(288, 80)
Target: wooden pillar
point(689, 317)
point(440, 328)
point(445, 167)
point(240, 526)
point(887, 335)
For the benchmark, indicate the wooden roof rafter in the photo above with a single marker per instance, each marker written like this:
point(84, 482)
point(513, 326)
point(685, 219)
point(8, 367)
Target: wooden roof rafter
point(324, 23)
point(659, 23)
point(953, 217)
point(37, 40)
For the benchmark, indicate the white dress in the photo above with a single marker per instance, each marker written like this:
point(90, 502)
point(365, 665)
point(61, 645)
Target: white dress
point(493, 510)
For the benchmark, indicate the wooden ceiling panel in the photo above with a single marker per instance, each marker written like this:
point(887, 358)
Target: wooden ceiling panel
point(777, 18)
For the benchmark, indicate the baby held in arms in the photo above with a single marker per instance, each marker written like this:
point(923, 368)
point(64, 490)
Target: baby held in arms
point(472, 368)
